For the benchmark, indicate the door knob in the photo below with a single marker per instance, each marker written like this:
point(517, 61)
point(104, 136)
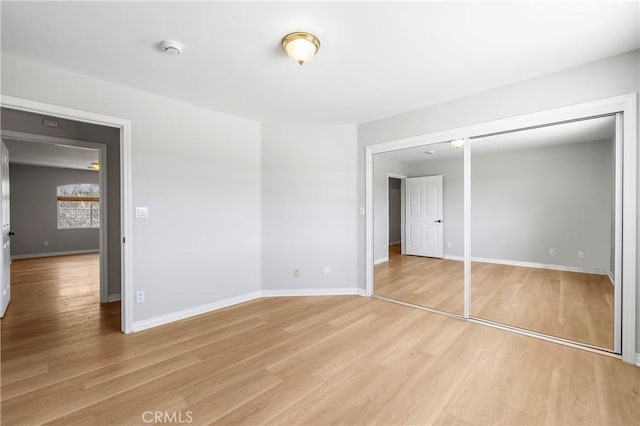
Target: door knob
point(438, 221)
point(11, 234)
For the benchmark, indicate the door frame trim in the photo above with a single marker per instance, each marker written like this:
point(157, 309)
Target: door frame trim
point(125, 185)
point(626, 104)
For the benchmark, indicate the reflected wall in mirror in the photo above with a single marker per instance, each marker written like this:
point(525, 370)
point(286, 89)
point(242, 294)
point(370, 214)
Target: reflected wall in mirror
point(418, 226)
point(543, 230)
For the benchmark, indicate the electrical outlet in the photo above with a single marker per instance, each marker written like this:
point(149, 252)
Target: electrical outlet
point(448, 244)
point(296, 273)
point(139, 296)
point(142, 212)
point(552, 252)
point(46, 243)
point(327, 271)
point(581, 254)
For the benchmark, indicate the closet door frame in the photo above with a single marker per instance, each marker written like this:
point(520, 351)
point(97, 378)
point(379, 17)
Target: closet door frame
point(625, 105)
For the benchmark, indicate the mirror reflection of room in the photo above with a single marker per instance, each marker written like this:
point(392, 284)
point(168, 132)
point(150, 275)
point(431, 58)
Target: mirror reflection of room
point(418, 226)
point(543, 230)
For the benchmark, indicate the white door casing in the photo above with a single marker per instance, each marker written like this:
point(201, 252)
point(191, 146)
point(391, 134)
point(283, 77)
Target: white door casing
point(5, 274)
point(617, 285)
point(126, 216)
point(423, 216)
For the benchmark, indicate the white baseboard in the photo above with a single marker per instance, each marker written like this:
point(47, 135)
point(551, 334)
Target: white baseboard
point(532, 265)
point(113, 297)
point(541, 265)
point(452, 257)
point(381, 260)
point(611, 278)
point(54, 253)
point(186, 313)
point(395, 243)
point(638, 360)
point(340, 291)
point(210, 307)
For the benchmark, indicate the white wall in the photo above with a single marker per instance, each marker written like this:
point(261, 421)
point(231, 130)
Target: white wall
point(525, 202)
point(309, 211)
point(381, 167)
point(613, 76)
point(609, 77)
point(197, 170)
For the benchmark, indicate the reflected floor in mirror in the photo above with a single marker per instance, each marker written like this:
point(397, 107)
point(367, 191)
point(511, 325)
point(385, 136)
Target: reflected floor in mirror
point(425, 281)
point(572, 305)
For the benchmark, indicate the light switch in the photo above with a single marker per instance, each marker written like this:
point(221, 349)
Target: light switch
point(142, 212)
point(361, 211)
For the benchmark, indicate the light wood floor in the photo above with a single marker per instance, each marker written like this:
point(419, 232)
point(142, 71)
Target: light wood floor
point(298, 361)
point(424, 281)
point(570, 305)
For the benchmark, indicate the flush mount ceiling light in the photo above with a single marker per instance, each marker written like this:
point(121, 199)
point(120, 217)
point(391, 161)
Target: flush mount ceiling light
point(430, 152)
point(457, 144)
point(95, 166)
point(172, 47)
point(301, 46)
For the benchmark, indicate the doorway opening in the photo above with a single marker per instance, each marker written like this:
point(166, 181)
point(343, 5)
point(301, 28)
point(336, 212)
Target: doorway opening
point(59, 201)
point(59, 217)
point(395, 214)
point(87, 203)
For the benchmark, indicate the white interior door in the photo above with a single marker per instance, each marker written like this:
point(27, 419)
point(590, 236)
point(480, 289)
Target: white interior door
point(5, 261)
point(423, 216)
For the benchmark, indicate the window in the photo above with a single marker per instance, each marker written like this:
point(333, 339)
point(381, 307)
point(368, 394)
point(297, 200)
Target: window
point(78, 206)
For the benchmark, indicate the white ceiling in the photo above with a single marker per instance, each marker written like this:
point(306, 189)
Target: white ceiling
point(597, 129)
point(51, 155)
point(376, 59)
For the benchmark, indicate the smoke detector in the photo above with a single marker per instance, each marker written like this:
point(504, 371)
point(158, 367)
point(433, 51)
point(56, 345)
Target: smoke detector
point(172, 47)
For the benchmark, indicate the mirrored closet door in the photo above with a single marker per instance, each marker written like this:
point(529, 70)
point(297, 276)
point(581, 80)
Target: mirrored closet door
point(543, 230)
point(418, 226)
